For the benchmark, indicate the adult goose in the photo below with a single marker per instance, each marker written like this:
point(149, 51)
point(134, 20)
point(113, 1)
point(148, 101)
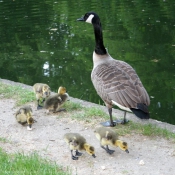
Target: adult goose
point(115, 81)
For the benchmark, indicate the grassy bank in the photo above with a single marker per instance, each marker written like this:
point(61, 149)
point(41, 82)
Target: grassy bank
point(18, 93)
point(89, 115)
point(20, 164)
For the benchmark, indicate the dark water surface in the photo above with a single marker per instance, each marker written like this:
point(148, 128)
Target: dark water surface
point(42, 42)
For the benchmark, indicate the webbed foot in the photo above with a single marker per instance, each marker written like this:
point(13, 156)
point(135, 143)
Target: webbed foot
point(78, 153)
point(124, 121)
point(109, 124)
point(110, 151)
point(39, 107)
point(59, 110)
point(74, 158)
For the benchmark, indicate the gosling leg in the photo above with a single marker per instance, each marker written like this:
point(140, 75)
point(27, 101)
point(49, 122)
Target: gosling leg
point(109, 151)
point(77, 153)
point(73, 157)
point(39, 106)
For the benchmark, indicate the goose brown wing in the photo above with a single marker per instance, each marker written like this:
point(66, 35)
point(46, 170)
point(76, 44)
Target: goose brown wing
point(116, 80)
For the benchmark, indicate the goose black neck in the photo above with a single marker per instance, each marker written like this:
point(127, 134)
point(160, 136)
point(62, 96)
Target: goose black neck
point(99, 47)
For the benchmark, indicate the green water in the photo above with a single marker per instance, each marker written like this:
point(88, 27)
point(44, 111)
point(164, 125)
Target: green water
point(42, 42)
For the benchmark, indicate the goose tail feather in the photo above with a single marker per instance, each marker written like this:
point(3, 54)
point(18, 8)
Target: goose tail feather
point(140, 114)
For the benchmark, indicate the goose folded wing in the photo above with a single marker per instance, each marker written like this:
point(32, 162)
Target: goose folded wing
point(119, 83)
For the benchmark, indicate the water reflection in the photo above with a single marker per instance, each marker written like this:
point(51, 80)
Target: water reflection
point(42, 42)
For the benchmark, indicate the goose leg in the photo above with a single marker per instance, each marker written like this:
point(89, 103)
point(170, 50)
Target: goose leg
point(124, 121)
point(73, 157)
point(110, 123)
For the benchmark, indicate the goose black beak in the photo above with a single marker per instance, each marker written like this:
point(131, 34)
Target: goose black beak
point(126, 151)
point(93, 155)
point(80, 19)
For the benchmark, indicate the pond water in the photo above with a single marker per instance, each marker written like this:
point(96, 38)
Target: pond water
point(42, 42)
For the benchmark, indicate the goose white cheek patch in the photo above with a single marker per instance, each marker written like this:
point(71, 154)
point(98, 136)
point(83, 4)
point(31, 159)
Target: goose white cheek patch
point(89, 19)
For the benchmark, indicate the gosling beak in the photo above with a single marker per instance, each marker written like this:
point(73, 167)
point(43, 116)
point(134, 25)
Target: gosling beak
point(126, 151)
point(80, 19)
point(30, 125)
point(93, 155)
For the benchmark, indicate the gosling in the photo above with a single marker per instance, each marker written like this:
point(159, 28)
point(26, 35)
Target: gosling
point(42, 91)
point(24, 115)
point(54, 102)
point(107, 136)
point(77, 142)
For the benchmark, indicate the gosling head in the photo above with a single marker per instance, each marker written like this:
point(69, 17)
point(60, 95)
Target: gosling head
point(61, 90)
point(30, 120)
point(73, 142)
point(90, 150)
point(46, 91)
point(122, 145)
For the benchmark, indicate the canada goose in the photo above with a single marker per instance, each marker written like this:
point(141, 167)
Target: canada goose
point(54, 102)
point(24, 115)
point(107, 136)
point(77, 142)
point(115, 81)
point(41, 91)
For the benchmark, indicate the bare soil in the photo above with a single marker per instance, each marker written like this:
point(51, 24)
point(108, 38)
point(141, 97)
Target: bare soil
point(147, 155)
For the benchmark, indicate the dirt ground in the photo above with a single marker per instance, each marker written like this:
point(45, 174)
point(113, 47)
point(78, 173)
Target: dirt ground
point(147, 156)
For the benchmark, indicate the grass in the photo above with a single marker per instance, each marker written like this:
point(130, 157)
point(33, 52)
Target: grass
point(144, 129)
point(71, 106)
point(90, 114)
point(4, 140)
point(19, 164)
point(18, 93)
point(78, 112)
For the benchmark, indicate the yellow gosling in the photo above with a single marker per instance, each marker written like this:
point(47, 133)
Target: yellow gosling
point(54, 102)
point(42, 91)
point(77, 142)
point(24, 115)
point(107, 136)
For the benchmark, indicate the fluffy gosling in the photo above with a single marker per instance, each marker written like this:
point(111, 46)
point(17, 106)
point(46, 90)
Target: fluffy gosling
point(54, 102)
point(41, 91)
point(107, 136)
point(24, 115)
point(77, 142)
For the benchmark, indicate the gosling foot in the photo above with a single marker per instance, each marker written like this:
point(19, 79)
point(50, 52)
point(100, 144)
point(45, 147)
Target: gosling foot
point(77, 153)
point(39, 107)
point(74, 158)
point(110, 151)
point(59, 110)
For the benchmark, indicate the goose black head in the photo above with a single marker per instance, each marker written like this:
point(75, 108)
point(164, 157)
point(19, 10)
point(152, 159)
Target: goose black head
point(90, 17)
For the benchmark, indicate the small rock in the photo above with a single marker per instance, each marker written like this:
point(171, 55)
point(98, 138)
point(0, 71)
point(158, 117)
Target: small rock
point(141, 162)
point(103, 167)
point(28, 128)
